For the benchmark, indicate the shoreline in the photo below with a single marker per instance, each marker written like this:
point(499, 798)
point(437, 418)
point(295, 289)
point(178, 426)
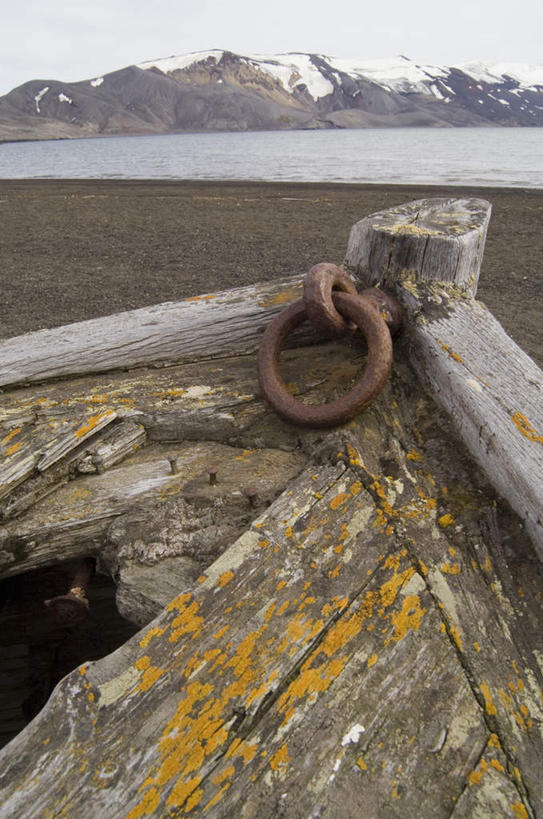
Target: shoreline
point(76, 249)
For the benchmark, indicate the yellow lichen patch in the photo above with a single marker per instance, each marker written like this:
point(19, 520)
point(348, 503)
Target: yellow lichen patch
point(372, 660)
point(150, 673)
point(11, 450)
point(446, 520)
point(408, 619)
point(494, 741)
point(526, 428)
point(172, 392)
point(497, 765)
point(154, 632)
point(339, 500)
point(221, 777)
point(354, 456)
point(217, 798)
point(202, 578)
point(221, 632)
point(450, 568)
point(519, 810)
point(335, 571)
point(490, 708)
point(187, 621)
point(263, 543)
point(449, 351)
point(355, 488)
point(280, 760)
point(92, 423)
point(283, 297)
point(414, 455)
point(477, 647)
point(147, 806)
point(455, 634)
point(476, 776)
point(225, 578)
point(361, 764)
point(11, 435)
point(194, 799)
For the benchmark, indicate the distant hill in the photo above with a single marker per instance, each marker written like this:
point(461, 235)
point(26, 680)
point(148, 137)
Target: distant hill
point(221, 91)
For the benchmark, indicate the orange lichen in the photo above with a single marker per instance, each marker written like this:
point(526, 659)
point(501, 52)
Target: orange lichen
point(446, 520)
point(339, 500)
point(92, 423)
point(490, 708)
point(450, 568)
point(449, 351)
point(414, 455)
point(372, 660)
point(225, 578)
point(280, 760)
point(11, 435)
point(526, 428)
point(154, 632)
point(13, 449)
point(408, 619)
point(519, 810)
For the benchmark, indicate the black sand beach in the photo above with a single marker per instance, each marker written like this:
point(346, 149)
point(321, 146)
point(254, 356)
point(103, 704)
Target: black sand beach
point(72, 250)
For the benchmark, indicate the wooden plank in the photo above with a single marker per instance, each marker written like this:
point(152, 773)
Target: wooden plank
point(75, 520)
point(214, 325)
point(106, 449)
point(429, 253)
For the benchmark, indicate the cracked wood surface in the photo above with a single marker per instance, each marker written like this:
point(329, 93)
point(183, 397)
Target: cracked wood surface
point(429, 253)
point(368, 644)
point(343, 654)
point(213, 325)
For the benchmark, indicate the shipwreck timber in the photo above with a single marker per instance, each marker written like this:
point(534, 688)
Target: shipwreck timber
point(342, 623)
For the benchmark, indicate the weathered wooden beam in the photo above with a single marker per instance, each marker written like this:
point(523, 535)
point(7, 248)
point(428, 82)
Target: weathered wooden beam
point(429, 253)
point(214, 325)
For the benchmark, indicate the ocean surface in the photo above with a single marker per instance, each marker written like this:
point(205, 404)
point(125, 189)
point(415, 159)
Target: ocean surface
point(452, 156)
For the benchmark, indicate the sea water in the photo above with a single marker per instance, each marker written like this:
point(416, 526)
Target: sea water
point(448, 156)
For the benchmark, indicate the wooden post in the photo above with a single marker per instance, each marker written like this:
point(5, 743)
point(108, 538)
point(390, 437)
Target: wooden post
point(429, 254)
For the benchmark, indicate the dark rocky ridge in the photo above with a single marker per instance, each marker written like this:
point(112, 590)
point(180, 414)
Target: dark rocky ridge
point(223, 91)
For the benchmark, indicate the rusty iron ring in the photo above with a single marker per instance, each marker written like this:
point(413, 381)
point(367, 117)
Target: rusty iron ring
point(319, 284)
point(367, 317)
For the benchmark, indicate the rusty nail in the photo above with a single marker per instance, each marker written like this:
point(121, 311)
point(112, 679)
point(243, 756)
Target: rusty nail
point(173, 464)
point(251, 493)
point(212, 472)
point(74, 606)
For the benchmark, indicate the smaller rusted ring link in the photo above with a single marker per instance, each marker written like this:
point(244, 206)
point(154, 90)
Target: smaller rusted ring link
point(367, 310)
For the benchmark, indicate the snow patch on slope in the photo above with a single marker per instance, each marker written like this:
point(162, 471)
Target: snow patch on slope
point(397, 74)
point(181, 61)
point(526, 75)
point(39, 96)
point(292, 70)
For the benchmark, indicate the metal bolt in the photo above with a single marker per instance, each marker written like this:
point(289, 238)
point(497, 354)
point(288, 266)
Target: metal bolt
point(212, 472)
point(251, 493)
point(173, 464)
point(74, 606)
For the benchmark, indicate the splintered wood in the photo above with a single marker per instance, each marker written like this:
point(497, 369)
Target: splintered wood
point(339, 624)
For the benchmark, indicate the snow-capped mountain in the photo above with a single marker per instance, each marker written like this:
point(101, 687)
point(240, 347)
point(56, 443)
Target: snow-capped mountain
point(219, 90)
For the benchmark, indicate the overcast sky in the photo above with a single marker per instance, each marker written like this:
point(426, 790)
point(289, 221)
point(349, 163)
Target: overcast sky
point(79, 39)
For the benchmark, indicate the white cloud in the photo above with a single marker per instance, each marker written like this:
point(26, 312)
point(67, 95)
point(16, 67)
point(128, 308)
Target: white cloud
point(81, 40)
